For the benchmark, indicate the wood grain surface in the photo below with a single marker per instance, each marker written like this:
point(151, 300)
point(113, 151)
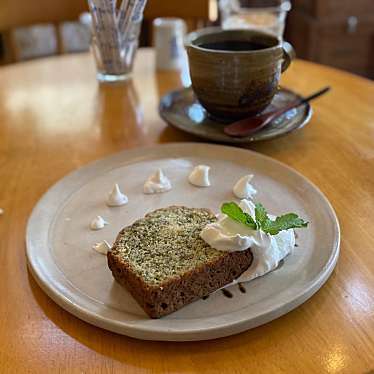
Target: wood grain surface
point(54, 118)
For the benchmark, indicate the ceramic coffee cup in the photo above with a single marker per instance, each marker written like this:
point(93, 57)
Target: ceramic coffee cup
point(235, 73)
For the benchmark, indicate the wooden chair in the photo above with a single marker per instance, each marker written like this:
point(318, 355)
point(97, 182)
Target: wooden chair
point(18, 13)
point(21, 13)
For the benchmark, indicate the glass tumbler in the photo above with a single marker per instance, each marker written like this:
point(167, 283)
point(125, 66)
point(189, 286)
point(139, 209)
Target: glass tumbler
point(115, 36)
point(114, 59)
point(257, 15)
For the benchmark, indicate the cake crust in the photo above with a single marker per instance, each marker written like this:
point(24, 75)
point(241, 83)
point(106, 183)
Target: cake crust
point(172, 293)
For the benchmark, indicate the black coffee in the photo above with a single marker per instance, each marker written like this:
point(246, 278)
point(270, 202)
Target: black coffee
point(233, 45)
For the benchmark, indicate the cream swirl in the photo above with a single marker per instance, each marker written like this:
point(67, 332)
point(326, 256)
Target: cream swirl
point(98, 223)
point(116, 197)
point(157, 183)
point(243, 188)
point(200, 176)
point(231, 236)
point(102, 247)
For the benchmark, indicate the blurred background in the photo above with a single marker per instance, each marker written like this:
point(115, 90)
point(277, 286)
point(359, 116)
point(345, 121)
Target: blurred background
point(338, 33)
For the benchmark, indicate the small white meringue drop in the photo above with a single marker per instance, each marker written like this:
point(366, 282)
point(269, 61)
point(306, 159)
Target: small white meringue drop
point(98, 223)
point(243, 189)
point(102, 247)
point(116, 197)
point(157, 183)
point(200, 176)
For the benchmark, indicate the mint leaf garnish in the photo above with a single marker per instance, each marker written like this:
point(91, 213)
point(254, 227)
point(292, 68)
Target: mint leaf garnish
point(261, 215)
point(263, 222)
point(234, 211)
point(285, 222)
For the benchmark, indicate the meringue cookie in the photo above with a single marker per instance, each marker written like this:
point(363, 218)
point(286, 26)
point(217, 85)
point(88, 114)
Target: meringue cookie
point(200, 176)
point(98, 223)
point(116, 197)
point(157, 183)
point(102, 248)
point(243, 189)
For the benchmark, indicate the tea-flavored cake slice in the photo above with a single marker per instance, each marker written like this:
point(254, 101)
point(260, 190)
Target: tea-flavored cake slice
point(162, 261)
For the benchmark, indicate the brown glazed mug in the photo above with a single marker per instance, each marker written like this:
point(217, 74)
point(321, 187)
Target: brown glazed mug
point(235, 73)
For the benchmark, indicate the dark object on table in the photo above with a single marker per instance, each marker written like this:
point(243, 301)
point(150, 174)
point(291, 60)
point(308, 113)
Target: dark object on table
point(260, 3)
point(339, 33)
point(1, 47)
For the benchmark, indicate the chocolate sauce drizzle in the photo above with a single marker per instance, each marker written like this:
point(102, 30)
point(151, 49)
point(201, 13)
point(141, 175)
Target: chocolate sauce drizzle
point(227, 293)
point(242, 288)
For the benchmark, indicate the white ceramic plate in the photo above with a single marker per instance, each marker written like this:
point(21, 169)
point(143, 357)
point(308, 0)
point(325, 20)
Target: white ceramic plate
point(60, 255)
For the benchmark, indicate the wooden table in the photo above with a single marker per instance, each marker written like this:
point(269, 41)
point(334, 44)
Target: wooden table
point(54, 118)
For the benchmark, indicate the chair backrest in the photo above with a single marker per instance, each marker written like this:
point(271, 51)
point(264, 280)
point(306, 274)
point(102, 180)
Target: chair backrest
point(20, 13)
point(15, 13)
point(47, 13)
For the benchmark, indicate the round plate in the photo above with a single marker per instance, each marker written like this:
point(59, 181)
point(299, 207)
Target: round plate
point(60, 255)
point(182, 110)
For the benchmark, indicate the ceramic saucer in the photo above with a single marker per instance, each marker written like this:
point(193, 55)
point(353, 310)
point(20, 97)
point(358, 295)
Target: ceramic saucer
point(182, 110)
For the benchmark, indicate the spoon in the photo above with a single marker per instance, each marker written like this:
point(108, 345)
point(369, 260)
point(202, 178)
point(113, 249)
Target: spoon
point(251, 125)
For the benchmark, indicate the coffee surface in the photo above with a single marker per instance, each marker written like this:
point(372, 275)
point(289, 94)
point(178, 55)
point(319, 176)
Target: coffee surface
point(234, 45)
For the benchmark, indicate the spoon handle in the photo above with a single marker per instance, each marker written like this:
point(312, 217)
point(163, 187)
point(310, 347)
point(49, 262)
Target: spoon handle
point(295, 104)
point(299, 102)
point(315, 95)
point(251, 125)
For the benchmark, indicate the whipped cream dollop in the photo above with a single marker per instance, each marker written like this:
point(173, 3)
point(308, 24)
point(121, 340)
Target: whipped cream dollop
point(231, 236)
point(116, 197)
point(243, 188)
point(102, 247)
point(200, 176)
point(157, 183)
point(98, 223)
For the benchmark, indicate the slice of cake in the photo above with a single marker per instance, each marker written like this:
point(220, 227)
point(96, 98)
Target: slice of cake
point(162, 261)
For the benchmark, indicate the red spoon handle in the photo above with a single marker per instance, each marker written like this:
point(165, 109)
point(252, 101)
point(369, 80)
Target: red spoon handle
point(251, 125)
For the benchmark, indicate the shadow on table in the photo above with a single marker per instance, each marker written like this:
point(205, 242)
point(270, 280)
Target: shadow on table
point(173, 357)
point(171, 134)
point(284, 148)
